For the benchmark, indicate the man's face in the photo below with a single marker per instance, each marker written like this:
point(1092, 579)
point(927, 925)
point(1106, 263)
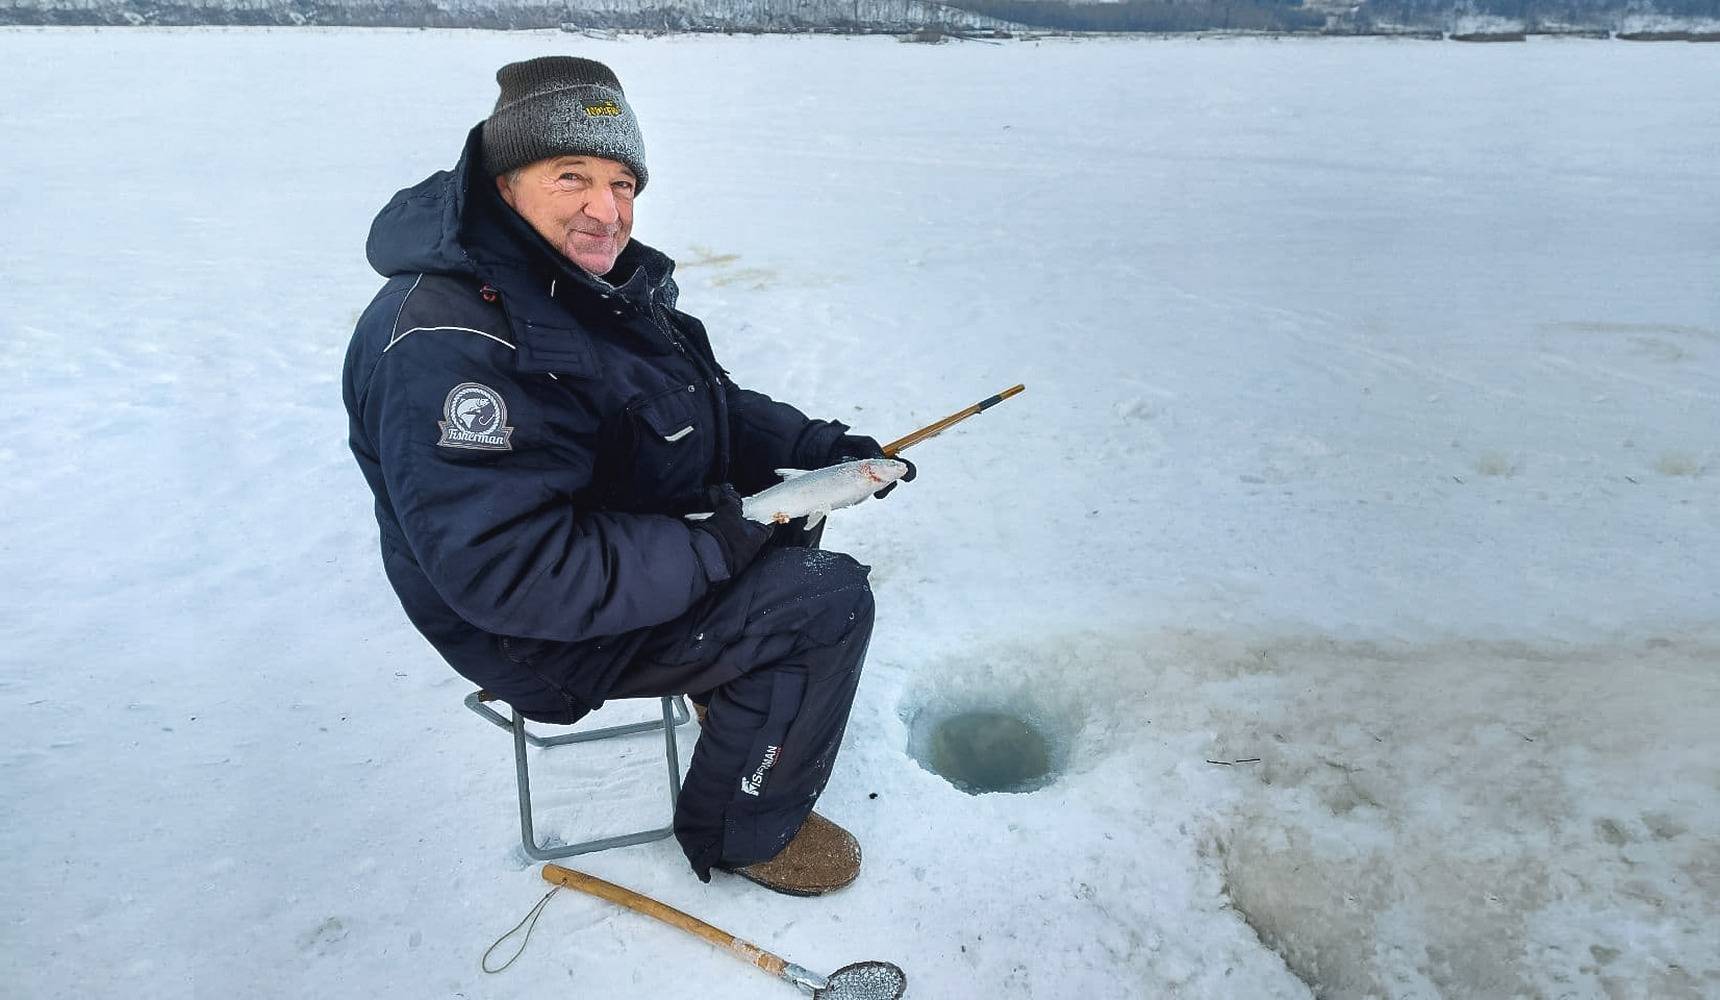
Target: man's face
point(583, 205)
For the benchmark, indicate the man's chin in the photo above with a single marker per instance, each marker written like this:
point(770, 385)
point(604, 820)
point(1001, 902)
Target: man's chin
point(594, 262)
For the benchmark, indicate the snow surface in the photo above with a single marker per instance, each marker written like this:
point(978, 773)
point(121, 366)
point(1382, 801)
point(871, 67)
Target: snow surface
point(1370, 432)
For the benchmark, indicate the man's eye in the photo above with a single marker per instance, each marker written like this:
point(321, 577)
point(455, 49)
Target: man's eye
point(625, 187)
point(569, 178)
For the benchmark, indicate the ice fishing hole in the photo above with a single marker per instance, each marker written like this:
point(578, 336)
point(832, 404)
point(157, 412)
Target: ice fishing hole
point(983, 751)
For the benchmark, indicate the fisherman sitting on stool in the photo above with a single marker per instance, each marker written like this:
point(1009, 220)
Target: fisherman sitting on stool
point(535, 417)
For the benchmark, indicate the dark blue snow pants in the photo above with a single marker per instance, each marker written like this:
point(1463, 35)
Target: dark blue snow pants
point(775, 656)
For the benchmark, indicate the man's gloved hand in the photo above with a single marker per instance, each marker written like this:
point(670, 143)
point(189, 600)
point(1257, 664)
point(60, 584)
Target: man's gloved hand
point(739, 539)
point(852, 447)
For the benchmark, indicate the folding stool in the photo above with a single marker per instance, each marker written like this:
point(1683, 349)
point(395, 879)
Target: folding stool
point(674, 714)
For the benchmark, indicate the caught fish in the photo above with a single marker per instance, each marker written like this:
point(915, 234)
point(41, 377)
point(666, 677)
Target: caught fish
point(814, 493)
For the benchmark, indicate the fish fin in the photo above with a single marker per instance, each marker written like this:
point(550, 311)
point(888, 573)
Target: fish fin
point(813, 518)
point(787, 474)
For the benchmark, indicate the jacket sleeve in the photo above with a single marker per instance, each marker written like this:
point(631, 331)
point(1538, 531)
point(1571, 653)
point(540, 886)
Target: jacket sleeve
point(766, 435)
point(498, 531)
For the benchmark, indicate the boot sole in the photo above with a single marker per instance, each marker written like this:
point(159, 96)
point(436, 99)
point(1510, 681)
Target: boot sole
point(787, 890)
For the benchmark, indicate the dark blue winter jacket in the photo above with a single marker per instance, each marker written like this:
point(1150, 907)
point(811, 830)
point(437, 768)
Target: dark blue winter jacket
point(532, 435)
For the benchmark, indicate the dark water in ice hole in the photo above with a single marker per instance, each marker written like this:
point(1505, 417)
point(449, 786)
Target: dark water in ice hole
point(982, 752)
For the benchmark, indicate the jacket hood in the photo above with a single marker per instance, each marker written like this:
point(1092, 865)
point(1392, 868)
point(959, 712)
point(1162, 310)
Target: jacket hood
point(450, 224)
point(419, 229)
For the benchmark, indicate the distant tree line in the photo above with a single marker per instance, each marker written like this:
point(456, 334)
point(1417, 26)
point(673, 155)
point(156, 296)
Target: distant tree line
point(1152, 15)
point(1597, 13)
point(959, 16)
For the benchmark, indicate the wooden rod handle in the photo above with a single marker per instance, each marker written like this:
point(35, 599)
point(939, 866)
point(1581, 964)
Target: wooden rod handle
point(593, 886)
point(900, 444)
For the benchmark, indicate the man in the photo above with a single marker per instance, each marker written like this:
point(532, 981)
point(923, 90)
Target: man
point(535, 416)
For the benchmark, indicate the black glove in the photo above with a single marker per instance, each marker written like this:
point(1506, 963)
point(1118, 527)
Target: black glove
point(853, 447)
point(739, 539)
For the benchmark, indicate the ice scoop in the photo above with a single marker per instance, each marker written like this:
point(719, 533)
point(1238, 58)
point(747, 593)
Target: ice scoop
point(860, 981)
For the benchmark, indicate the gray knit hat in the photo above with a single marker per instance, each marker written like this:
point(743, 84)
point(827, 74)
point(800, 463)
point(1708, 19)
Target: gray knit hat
point(560, 105)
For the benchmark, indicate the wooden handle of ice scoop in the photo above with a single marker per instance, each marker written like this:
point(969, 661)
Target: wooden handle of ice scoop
point(593, 886)
point(930, 430)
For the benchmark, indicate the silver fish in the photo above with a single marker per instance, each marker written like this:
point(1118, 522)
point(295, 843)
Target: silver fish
point(814, 493)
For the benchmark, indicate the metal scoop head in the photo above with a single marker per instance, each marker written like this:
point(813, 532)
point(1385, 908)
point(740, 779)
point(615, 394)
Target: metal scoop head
point(865, 981)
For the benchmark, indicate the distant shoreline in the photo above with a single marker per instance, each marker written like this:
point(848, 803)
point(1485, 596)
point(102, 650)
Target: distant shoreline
point(126, 15)
point(929, 21)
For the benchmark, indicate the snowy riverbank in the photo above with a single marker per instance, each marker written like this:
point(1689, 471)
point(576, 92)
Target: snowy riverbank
point(924, 20)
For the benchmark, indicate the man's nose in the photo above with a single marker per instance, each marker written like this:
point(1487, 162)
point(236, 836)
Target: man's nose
point(603, 207)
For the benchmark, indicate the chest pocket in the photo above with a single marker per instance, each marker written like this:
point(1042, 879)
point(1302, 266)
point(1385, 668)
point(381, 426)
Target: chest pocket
point(554, 349)
point(672, 449)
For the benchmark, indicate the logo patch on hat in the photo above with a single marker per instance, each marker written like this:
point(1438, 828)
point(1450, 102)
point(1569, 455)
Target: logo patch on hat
point(475, 417)
point(604, 109)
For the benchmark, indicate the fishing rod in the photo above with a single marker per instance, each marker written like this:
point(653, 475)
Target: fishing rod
point(934, 429)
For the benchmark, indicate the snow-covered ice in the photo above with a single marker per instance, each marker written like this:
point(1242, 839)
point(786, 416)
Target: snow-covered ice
point(1356, 542)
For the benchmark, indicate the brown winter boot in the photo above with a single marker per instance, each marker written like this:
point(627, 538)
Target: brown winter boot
point(821, 858)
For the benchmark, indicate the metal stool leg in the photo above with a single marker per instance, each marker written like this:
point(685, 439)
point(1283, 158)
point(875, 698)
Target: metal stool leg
point(671, 752)
point(675, 713)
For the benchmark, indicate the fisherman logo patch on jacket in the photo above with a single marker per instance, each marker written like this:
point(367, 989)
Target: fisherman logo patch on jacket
point(475, 417)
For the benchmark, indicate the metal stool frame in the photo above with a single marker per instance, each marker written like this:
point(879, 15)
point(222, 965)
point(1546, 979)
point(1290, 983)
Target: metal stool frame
point(675, 714)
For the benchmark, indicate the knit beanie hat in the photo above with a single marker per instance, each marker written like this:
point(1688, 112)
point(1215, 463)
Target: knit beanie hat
point(556, 106)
